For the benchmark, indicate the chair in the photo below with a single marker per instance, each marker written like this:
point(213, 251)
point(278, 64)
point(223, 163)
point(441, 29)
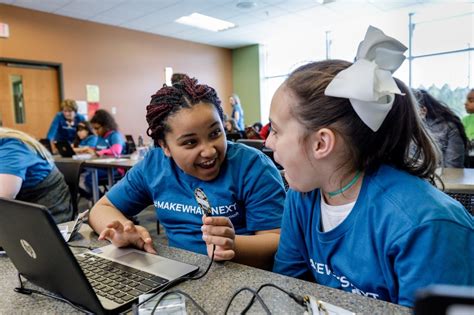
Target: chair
point(71, 169)
point(130, 144)
point(255, 143)
point(234, 136)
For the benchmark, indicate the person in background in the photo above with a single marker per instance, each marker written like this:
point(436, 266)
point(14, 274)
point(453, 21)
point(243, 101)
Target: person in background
point(257, 126)
point(111, 142)
point(446, 129)
point(361, 214)
point(231, 126)
point(85, 137)
point(237, 111)
point(468, 121)
point(28, 173)
point(265, 131)
point(243, 187)
point(63, 127)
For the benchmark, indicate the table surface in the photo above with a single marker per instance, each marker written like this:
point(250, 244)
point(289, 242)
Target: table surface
point(212, 292)
point(457, 179)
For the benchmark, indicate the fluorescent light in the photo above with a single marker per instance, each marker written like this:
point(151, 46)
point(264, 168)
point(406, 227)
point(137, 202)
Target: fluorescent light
point(205, 22)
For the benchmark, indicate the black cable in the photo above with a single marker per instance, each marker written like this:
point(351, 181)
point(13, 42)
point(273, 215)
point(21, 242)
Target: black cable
point(171, 283)
point(177, 292)
point(255, 294)
point(27, 291)
point(297, 298)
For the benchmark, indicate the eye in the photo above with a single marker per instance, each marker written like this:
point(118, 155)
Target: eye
point(216, 133)
point(272, 130)
point(189, 143)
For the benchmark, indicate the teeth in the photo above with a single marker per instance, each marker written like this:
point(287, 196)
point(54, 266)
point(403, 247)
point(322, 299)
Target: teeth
point(208, 162)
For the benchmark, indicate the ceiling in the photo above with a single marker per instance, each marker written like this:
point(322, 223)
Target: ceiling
point(267, 20)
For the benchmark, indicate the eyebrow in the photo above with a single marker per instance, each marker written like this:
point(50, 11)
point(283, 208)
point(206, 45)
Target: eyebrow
point(193, 134)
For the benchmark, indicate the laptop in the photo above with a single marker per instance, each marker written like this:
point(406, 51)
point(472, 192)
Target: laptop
point(105, 280)
point(64, 148)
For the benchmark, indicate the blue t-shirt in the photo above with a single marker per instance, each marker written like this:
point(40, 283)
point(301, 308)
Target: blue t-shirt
point(237, 108)
point(61, 130)
point(402, 234)
point(249, 190)
point(111, 138)
point(89, 141)
point(17, 159)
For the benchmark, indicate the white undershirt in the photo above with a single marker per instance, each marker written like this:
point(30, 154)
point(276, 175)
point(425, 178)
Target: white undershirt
point(332, 216)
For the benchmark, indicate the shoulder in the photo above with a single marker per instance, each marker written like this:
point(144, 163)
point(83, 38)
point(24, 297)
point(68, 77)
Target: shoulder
point(410, 198)
point(13, 144)
point(80, 118)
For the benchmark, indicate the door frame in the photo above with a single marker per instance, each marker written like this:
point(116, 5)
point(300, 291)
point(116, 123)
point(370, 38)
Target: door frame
point(32, 63)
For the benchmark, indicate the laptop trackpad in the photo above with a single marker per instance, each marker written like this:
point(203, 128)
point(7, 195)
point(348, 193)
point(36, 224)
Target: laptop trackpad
point(138, 259)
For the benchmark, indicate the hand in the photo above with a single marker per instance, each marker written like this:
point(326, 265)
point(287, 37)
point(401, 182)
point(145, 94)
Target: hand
point(125, 234)
point(219, 231)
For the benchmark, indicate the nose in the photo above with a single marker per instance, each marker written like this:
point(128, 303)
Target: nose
point(269, 142)
point(208, 150)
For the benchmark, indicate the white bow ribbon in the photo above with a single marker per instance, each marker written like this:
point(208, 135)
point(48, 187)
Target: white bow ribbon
point(368, 83)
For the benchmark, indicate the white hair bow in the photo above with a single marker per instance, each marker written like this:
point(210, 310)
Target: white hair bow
point(368, 83)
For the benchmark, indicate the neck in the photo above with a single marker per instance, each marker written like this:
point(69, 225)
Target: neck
point(343, 191)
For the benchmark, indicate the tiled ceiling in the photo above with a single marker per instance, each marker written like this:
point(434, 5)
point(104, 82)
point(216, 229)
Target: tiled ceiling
point(266, 20)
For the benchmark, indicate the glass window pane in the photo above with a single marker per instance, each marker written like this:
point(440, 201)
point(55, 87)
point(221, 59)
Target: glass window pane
point(18, 100)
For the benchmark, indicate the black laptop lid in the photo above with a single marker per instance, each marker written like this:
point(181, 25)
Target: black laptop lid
point(64, 148)
point(35, 246)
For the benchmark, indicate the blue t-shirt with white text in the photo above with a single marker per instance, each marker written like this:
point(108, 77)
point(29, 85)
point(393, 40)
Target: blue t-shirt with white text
point(402, 234)
point(249, 190)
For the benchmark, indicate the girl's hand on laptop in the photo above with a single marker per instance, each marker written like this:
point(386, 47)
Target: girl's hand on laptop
point(219, 231)
point(126, 234)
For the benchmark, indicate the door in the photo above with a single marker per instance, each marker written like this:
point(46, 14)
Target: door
point(29, 98)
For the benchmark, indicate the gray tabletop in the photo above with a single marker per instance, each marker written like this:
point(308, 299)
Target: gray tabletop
point(457, 179)
point(212, 292)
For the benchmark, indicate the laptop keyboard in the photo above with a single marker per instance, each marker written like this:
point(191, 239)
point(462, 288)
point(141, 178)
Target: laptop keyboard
point(467, 200)
point(115, 281)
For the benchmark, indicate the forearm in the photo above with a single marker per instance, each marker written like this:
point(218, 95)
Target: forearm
point(256, 250)
point(103, 213)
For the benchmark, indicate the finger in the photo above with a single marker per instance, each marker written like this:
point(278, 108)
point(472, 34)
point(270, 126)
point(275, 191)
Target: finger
point(224, 242)
point(128, 226)
point(116, 225)
point(220, 221)
point(220, 255)
point(149, 248)
point(106, 234)
point(222, 231)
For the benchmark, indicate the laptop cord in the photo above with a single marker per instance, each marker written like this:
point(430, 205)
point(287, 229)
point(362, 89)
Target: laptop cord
point(21, 289)
point(173, 282)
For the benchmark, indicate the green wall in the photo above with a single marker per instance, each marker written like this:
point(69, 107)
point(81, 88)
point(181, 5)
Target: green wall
point(246, 79)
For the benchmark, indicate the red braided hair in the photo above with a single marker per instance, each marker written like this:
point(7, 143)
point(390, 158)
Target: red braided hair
point(171, 99)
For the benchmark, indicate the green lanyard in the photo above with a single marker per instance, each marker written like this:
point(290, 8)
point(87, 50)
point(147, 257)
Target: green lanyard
point(343, 189)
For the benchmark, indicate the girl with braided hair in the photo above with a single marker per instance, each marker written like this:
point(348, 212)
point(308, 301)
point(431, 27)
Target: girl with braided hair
point(244, 188)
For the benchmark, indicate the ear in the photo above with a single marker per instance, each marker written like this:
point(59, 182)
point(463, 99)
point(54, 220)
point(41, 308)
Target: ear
point(165, 148)
point(323, 144)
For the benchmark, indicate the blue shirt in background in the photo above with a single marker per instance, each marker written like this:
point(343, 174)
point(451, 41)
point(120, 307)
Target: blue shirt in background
point(61, 130)
point(112, 137)
point(17, 159)
point(89, 141)
point(249, 190)
point(240, 122)
point(402, 234)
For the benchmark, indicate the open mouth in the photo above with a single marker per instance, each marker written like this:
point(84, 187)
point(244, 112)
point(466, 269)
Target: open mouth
point(208, 164)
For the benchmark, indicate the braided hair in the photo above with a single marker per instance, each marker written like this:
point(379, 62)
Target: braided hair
point(171, 99)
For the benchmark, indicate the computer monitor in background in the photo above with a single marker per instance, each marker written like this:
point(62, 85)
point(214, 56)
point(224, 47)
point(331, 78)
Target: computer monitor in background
point(233, 136)
point(131, 146)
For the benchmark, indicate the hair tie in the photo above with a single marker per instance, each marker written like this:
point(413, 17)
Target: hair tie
point(368, 83)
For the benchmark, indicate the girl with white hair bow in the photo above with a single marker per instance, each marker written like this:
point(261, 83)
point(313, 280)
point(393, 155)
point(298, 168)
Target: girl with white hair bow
point(361, 214)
